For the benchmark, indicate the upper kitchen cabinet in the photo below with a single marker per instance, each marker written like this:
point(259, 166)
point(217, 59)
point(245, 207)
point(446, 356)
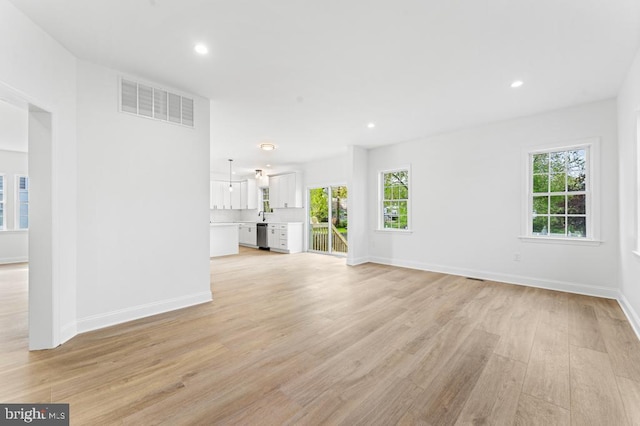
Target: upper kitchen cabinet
point(235, 195)
point(285, 190)
point(249, 194)
point(243, 196)
point(219, 195)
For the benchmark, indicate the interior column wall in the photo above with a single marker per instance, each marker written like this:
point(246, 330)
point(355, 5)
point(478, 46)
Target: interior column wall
point(41, 72)
point(43, 310)
point(629, 187)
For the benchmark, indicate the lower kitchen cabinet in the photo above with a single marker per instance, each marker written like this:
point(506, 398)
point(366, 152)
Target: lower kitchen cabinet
point(247, 234)
point(285, 237)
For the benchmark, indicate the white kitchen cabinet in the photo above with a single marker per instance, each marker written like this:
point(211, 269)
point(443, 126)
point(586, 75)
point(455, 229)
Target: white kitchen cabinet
point(222, 198)
point(274, 191)
point(285, 190)
point(273, 237)
point(235, 196)
point(219, 195)
point(285, 237)
point(223, 239)
point(247, 234)
point(249, 194)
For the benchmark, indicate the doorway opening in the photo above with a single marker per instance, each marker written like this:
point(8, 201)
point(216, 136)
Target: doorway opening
point(329, 220)
point(29, 221)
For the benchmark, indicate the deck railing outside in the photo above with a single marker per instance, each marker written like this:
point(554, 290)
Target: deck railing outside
point(320, 238)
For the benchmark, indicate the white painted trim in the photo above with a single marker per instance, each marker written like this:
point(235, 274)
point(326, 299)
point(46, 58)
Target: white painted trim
point(379, 206)
point(592, 189)
point(7, 260)
point(589, 290)
point(68, 331)
point(393, 231)
point(561, 240)
point(107, 319)
point(636, 252)
point(357, 261)
point(631, 314)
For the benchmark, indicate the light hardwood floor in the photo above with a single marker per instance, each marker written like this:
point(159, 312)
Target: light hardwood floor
point(304, 339)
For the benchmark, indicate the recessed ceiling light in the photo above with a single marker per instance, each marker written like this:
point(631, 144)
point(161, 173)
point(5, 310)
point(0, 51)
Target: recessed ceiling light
point(201, 49)
point(517, 83)
point(267, 146)
point(268, 165)
point(371, 125)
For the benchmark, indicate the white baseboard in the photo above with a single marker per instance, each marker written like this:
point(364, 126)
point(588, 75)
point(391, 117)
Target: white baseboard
point(357, 261)
point(589, 290)
point(107, 319)
point(631, 314)
point(68, 332)
point(7, 260)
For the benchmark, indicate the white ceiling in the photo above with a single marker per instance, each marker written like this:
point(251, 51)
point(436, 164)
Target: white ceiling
point(309, 75)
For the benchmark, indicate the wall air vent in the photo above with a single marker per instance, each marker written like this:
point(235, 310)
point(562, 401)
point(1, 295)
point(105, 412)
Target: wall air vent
point(152, 102)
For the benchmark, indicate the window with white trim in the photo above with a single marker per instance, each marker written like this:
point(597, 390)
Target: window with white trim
point(560, 193)
point(395, 199)
point(2, 198)
point(265, 201)
point(22, 202)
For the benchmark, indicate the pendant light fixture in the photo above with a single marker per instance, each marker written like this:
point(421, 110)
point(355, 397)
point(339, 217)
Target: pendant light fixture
point(230, 187)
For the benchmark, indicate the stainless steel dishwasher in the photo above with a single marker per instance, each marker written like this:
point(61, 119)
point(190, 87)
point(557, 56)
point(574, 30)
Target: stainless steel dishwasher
point(262, 235)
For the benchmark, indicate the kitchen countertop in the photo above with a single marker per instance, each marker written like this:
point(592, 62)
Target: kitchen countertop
point(223, 224)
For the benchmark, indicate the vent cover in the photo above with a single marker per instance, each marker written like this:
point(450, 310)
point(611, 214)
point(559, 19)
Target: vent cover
point(146, 101)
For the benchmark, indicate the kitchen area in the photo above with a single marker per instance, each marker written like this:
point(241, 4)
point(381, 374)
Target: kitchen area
point(264, 212)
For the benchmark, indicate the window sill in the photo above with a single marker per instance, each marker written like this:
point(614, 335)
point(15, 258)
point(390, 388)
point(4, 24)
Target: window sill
point(394, 231)
point(556, 240)
point(13, 231)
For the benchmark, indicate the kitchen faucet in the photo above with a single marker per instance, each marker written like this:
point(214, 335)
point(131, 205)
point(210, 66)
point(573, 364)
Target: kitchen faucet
point(263, 217)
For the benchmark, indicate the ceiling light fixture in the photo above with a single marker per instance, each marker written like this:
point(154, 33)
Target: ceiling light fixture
point(517, 83)
point(371, 125)
point(267, 146)
point(201, 49)
point(230, 187)
point(258, 173)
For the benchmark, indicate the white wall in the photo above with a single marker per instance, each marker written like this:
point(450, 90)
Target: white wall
point(628, 140)
point(143, 185)
point(327, 171)
point(42, 72)
point(359, 222)
point(13, 127)
point(13, 243)
point(467, 190)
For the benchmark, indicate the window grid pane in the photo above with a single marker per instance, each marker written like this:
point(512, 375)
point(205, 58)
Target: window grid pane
point(22, 202)
point(395, 197)
point(558, 193)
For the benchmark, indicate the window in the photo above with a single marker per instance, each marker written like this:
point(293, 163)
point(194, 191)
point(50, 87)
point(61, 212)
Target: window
point(395, 199)
point(2, 219)
point(559, 195)
point(22, 203)
point(265, 200)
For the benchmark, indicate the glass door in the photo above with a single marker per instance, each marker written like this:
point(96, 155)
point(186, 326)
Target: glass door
point(328, 220)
